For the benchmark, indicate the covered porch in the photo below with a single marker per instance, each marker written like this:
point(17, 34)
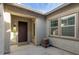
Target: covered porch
point(12, 20)
point(19, 31)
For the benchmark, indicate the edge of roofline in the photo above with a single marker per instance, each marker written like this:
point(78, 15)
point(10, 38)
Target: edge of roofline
point(57, 8)
point(23, 7)
point(38, 12)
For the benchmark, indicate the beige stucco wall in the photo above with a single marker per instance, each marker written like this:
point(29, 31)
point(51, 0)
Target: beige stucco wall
point(64, 42)
point(5, 21)
point(1, 30)
point(7, 30)
point(40, 29)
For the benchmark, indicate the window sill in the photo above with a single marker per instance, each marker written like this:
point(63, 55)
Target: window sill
point(65, 37)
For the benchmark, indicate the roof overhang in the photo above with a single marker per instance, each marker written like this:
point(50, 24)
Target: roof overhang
point(57, 8)
point(38, 12)
point(23, 7)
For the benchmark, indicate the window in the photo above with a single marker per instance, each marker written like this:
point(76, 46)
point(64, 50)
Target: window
point(54, 27)
point(68, 26)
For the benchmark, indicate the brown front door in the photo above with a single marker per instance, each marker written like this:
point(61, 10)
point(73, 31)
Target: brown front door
point(22, 32)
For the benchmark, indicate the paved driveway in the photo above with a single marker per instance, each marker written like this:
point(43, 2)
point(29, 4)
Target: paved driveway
point(36, 50)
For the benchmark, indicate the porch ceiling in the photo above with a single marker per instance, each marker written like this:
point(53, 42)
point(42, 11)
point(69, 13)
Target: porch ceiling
point(22, 15)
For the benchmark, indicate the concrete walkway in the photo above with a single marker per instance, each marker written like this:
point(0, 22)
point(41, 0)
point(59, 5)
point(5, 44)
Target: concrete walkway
point(36, 50)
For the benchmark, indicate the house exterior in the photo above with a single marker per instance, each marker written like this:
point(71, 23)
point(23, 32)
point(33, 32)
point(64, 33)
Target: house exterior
point(59, 25)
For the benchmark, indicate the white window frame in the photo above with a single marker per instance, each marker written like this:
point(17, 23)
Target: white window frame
point(64, 18)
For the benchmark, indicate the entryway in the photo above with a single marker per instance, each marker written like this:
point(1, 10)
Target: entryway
point(23, 31)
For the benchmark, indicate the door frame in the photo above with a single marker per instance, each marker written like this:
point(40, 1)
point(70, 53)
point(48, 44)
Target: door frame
point(33, 34)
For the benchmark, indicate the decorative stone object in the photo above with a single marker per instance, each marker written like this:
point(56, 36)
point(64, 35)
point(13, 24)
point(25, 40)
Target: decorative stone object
point(45, 42)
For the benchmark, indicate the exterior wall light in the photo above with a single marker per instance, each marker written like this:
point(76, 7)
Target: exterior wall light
point(14, 28)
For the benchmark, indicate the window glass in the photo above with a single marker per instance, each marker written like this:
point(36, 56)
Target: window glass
point(54, 23)
point(64, 22)
point(71, 20)
point(54, 31)
point(54, 27)
point(67, 25)
point(68, 31)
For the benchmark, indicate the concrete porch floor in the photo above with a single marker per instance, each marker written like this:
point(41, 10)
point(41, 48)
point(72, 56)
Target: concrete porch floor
point(36, 50)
